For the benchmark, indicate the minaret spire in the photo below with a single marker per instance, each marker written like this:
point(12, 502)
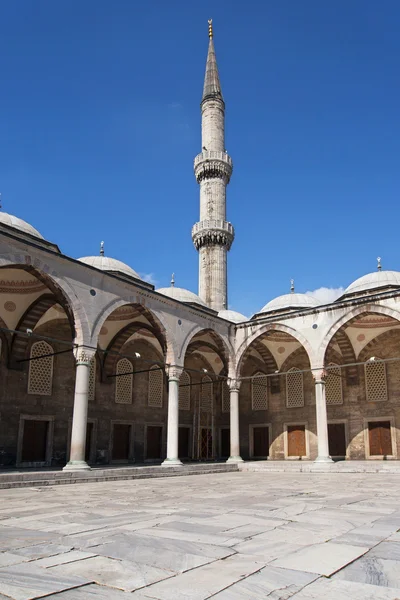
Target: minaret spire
point(213, 234)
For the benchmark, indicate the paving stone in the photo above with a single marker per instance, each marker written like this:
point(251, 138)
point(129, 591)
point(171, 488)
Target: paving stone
point(41, 550)
point(7, 559)
point(61, 559)
point(375, 571)
point(90, 592)
point(332, 589)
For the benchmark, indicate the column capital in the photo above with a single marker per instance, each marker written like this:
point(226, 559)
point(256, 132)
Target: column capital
point(84, 354)
point(233, 384)
point(174, 372)
point(319, 375)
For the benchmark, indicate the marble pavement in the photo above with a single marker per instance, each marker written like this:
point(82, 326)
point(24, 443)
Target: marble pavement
point(229, 536)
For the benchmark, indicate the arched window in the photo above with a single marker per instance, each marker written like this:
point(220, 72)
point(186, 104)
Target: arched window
point(155, 390)
point(294, 388)
point(184, 391)
point(375, 380)
point(226, 400)
point(259, 391)
point(123, 383)
point(333, 385)
point(206, 393)
point(40, 379)
point(92, 379)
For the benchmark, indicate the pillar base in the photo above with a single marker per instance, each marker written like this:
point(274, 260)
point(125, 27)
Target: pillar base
point(235, 459)
point(172, 462)
point(323, 459)
point(77, 465)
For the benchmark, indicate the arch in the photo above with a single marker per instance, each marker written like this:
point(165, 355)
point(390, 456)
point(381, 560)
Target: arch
point(345, 319)
point(269, 362)
point(369, 348)
point(224, 346)
point(58, 285)
point(274, 327)
point(349, 356)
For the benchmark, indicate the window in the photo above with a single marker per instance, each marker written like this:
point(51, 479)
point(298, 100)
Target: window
point(184, 391)
point(375, 381)
point(40, 379)
point(206, 394)
point(333, 385)
point(123, 384)
point(259, 392)
point(294, 388)
point(92, 379)
point(226, 401)
point(155, 390)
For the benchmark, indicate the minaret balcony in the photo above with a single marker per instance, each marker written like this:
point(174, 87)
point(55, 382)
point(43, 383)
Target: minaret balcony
point(210, 163)
point(213, 232)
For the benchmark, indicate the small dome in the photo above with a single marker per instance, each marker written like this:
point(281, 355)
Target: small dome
point(232, 315)
point(372, 281)
point(104, 263)
point(181, 294)
point(17, 223)
point(290, 301)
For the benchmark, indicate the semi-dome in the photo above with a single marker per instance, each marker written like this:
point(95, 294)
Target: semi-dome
point(180, 294)
point(232, 315)
point(17, 223)
point(372, 281)
point(290, 301)
point(105, 263)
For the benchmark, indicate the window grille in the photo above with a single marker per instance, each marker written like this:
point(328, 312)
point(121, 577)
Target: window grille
point(375, 381)
point(40, 380)
point(259, 392)
point(226, 400)
point(184, 391)
point(155, 390)
point(92, 379)
point(206, 393)
point(294, 388)
point(333, 385)
point(123, 383)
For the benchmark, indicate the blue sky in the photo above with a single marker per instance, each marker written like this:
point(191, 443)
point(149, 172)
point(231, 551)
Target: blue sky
point(100, 122)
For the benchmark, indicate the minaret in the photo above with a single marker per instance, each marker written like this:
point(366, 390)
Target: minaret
point(213, 234)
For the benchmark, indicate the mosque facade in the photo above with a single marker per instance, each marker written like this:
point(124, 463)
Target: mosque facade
point(98, 367)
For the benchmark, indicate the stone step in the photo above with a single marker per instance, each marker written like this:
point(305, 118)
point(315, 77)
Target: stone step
point(281, 466)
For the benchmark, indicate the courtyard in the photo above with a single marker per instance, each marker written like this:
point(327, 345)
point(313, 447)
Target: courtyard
point(229, 536)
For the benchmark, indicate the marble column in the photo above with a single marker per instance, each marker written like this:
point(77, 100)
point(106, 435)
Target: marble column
point(234, 386)
point(322, 419)
point(79, 419)
point(172, 460)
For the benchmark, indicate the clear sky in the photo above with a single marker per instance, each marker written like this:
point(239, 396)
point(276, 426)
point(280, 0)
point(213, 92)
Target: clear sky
point(100, 122)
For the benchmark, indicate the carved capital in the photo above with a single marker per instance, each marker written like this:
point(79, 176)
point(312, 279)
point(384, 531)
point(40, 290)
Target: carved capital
point(234, 384)
point(319, 375)
point(84, 355)
point(174, 372)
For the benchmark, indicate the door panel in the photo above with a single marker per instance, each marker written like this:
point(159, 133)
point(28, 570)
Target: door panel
point(183, 442)
point(154, 433)
point(225, 442)
point(337, 439)
point(260, 441)
point(121, 441)
point(380, 440)
point(296, 440)
point(34, 441)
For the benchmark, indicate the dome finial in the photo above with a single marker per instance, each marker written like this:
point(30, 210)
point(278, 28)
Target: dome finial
point(172, 279)
point(101, 248)
point(379, 263)
point(1, 207)
point(210, 29)
point(292, 286)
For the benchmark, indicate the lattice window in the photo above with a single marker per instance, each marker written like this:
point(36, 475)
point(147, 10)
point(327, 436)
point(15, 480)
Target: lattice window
point(294, 388)
point(333, 385)
point(123, 383)
point(375, 381)
point(184, 391)
point(259, 392)
point(92, 379)
point(155, 393)
point(40, 379)
point(206, 394)
point(226, 400)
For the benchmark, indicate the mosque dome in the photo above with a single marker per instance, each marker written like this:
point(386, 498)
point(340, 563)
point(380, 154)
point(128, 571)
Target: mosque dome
point(373, 281)
point(105, 263)
point(180, 294)
point(17, 223)
point(232, 315)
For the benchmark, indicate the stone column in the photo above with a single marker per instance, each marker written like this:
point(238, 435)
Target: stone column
point(234, 386)
point(172, 459)
point(322, 419)
point(79, 420)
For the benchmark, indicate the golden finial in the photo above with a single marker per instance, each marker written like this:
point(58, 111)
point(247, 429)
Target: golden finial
point(210, 29)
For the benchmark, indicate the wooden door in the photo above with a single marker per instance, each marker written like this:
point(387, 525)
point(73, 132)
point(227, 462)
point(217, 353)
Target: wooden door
point(89, 438)
point(121, 441)
point(206, 443)
point(154, 434)
point(296, 435)
point(183, 442)
point(337, 439)
point(34, 442)
point(225, 442)
point(380, 439)
point(260, 442)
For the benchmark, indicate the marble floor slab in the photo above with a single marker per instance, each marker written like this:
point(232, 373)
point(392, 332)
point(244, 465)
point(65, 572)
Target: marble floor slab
point(329, 589)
